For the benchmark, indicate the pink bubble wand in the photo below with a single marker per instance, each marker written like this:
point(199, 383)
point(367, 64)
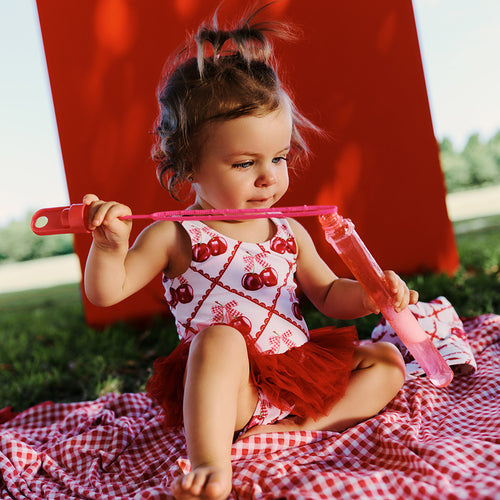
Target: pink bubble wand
point(74, 219)
point(339, 232)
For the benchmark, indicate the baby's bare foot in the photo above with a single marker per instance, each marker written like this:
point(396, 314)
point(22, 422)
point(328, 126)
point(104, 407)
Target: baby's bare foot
point(205, 481)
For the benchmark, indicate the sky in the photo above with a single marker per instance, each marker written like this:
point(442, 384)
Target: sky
point(459, 43)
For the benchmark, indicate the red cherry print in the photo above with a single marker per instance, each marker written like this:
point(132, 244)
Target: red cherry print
point(201, 252)
point(296, 310)
point(242, 324)
point(269, 276)
point(252, 281)
point(291, 245)
point(278, 245)
point(217, 245)
point(173, 297)
point(184, 293)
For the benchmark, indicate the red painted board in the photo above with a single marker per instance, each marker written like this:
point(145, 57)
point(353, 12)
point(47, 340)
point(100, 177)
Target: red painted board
point(356, 73)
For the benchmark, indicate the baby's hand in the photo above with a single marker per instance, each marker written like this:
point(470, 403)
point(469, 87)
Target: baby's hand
point(401, 294)
point(105, 223)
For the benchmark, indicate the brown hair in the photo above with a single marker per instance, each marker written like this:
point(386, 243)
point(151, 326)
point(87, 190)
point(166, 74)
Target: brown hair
point(233, 74)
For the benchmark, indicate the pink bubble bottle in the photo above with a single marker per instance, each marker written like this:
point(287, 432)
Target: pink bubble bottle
point(341, 234)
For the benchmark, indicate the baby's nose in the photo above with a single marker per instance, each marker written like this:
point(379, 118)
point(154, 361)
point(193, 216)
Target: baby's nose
point(267, 175)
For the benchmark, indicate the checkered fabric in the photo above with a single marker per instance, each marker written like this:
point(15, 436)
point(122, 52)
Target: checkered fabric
point(428, 443)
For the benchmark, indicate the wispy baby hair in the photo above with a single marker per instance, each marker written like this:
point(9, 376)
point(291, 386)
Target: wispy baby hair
point(219, 75)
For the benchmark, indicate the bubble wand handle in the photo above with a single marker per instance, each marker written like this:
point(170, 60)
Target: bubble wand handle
point(341, 234)
point(60, 220)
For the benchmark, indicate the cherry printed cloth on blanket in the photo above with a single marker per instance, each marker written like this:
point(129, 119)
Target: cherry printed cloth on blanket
point(440, 321)
point(428, 443)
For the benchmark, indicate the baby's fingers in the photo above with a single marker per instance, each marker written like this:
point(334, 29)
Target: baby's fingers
point(108, 213)
point(89, 198)
point(104, 213)
point(93, 202)
point(401, 295)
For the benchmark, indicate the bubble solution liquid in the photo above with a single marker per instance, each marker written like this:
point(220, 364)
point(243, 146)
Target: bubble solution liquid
point(341, 234)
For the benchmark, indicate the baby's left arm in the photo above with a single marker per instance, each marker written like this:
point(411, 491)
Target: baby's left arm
point(336, 297)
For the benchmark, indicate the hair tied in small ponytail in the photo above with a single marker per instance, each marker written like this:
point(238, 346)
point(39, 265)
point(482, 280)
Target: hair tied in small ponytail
point(218, 75)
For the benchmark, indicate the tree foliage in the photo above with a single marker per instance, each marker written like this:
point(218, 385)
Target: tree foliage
point(478, 164)
point(18, 243)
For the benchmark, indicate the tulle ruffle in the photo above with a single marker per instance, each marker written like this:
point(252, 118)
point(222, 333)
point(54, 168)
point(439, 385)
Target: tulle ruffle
point(305, 380)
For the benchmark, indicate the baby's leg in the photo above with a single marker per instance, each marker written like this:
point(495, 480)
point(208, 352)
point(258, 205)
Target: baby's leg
point(377, 376)
point(379, 373)
point(218, 399)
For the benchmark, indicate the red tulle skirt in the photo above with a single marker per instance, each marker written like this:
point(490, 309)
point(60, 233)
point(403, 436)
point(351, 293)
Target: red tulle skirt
point(305, 380)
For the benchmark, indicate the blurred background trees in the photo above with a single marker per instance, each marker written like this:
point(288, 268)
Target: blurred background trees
point(18, 243)
point(477, 165)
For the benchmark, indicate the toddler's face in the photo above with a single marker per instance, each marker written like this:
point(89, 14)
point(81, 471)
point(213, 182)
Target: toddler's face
point(242, 163)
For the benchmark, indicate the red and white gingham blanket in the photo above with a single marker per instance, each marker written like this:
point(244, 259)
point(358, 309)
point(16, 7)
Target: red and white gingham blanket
point(428, 443)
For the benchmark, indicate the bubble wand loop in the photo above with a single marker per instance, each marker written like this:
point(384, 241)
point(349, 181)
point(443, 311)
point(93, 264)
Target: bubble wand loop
point(340, 233)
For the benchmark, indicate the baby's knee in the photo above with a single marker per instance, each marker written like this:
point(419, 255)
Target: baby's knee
point(388, 360)
point(219, 339)
point(390, 356)
point(387, 351)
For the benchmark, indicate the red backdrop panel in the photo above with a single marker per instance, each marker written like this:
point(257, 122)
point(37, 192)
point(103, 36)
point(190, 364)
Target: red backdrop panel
point(356, 73)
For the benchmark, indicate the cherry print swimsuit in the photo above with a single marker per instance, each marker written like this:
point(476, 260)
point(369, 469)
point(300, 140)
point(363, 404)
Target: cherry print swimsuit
point(251, 287)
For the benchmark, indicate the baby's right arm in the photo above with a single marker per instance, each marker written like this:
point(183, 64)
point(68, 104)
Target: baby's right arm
point(113, 271)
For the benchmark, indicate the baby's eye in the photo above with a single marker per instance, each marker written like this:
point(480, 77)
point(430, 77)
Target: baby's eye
point(243, 164)
point(279, 159)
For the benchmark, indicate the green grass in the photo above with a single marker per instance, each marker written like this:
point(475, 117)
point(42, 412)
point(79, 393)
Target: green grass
point(47, 352)
point(475, 289)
